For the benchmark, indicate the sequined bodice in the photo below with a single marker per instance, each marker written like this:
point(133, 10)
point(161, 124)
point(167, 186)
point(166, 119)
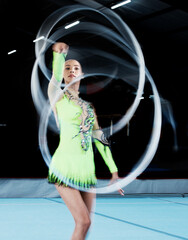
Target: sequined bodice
point(79, 115)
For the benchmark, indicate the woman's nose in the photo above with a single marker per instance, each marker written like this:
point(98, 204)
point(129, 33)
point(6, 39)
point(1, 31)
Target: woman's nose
point(72, 70)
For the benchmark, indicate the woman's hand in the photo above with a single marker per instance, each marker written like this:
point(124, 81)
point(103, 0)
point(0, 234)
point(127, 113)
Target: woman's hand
point(114, 178)
point(60, 47)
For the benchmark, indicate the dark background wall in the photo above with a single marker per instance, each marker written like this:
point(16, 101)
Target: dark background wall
point(161, 28)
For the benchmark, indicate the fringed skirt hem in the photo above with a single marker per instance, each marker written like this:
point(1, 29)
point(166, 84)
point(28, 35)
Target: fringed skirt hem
point(66, 182)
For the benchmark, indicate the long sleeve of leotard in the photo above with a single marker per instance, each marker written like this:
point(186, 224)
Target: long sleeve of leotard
point(58, 65)
point(103, 146)
point(54, 87)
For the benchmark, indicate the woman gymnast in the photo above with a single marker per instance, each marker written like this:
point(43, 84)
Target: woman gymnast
point(73, 160)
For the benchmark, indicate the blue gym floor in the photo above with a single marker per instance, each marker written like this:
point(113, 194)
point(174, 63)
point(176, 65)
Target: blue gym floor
point(122, 218)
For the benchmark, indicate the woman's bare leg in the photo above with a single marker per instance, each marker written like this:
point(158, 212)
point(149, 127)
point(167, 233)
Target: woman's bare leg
point(88, 199)
point(78, 209)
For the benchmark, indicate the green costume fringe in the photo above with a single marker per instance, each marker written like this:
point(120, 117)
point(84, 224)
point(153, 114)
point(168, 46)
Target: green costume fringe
point(52, 178)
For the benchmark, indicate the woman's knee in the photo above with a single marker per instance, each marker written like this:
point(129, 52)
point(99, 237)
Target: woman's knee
point(83, 222)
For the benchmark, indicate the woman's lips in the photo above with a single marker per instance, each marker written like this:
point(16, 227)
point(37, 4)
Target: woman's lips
point(71, 75)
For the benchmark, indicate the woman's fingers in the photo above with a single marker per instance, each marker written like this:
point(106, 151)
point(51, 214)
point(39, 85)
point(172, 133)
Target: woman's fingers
point(60, 47)
point(121, 191)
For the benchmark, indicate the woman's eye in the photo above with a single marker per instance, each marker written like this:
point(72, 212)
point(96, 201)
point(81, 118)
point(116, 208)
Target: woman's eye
point(67, 68)
point(76, 68)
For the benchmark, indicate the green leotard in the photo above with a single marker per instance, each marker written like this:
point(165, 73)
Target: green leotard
point(73, 160)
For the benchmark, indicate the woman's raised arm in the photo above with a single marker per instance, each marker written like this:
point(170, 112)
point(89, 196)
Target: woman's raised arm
point(60, 51)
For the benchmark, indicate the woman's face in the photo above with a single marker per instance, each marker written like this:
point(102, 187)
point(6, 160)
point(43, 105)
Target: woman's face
point(72, 70)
